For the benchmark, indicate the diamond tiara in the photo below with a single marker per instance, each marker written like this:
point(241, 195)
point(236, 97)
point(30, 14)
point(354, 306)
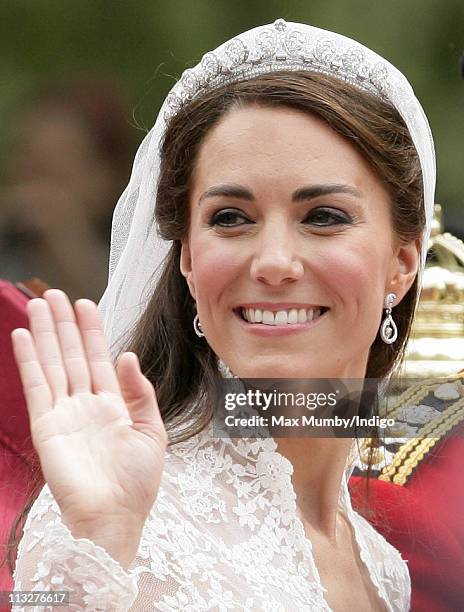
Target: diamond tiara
point(280, 46)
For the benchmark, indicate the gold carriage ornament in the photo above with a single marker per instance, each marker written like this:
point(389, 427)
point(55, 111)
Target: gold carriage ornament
point(436, 346)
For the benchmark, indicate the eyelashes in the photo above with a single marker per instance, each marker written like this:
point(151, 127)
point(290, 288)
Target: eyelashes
point(223, 218)
point(318, 217)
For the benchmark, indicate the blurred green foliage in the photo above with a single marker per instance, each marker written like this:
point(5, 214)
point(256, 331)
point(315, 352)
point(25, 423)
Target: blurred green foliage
point(145, 45)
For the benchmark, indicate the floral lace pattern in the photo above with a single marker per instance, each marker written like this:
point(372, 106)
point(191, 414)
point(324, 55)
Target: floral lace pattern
point(222, 535)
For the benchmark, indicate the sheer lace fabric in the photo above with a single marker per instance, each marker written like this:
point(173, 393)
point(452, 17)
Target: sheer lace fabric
point(223, 535)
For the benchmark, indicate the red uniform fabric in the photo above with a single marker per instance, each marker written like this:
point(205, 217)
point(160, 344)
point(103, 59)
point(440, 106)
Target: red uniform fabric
point(16, 451)
point(424, 520)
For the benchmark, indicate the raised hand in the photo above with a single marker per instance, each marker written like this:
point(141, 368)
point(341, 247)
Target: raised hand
point(97, 430)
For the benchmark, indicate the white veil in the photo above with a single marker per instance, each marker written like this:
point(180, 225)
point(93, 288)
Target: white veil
point(137, 252)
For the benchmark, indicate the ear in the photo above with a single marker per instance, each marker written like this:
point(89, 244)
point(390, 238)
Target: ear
point(404, 269)
point(186, 267)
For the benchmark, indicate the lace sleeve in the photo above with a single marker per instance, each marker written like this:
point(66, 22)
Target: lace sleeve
point(50, 558)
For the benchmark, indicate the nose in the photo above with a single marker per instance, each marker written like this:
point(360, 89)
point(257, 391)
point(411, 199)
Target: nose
point(275, 260)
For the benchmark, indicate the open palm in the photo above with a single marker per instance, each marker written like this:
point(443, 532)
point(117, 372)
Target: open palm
point(97, 430)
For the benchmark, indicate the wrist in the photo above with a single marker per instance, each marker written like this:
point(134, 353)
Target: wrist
point(119, 536)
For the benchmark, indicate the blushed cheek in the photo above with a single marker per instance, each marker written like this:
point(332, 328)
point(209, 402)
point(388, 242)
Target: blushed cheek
point(215, 268)
point(354, 280)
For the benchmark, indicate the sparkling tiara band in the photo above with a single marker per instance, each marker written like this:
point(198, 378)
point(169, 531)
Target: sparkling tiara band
point(280, 46)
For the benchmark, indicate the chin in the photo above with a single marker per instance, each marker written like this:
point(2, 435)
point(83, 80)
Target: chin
point(275, 368)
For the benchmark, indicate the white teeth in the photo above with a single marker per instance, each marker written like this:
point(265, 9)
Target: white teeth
point(281, 317)
point(268, 317)
point(292, 316)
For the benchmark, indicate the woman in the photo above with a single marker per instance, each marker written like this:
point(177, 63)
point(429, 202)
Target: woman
point(293, 171)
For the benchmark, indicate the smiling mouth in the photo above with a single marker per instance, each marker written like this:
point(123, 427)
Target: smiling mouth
point(291, 316)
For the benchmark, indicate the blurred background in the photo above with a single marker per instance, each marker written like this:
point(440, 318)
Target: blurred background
point(83, 80)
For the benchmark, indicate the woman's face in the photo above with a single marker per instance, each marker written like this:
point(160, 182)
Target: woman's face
point(290, 229)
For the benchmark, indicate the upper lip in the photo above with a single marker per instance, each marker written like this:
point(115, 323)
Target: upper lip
point(275, 306)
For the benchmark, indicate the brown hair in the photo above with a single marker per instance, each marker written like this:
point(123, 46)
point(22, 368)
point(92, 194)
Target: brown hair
point(181, 366)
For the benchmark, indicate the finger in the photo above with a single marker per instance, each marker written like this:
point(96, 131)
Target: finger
point(103, 374)
point(138, 393)
point(70, 341)
point(35, 385)
point(47, 346)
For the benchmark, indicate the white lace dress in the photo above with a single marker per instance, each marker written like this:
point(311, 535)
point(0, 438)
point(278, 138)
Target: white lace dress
point(223, 535)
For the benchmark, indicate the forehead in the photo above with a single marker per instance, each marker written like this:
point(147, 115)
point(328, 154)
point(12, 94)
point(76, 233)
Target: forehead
point(278, 144)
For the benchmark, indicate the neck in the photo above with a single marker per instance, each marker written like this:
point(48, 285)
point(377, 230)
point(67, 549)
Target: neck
point(318, 465)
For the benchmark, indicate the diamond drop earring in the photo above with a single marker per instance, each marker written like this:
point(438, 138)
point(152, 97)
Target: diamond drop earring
point(389, 331)
point(197, 326)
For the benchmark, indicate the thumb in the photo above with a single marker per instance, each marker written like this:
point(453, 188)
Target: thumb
point(137, 391)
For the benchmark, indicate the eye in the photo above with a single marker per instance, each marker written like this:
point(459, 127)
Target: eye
point(327, 217)
point(227, 218)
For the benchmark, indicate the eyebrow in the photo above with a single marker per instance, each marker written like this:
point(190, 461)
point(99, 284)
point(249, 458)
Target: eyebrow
point(302, 194)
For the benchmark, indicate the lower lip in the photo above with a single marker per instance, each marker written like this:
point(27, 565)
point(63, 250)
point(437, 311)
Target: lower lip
point(278, 330)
